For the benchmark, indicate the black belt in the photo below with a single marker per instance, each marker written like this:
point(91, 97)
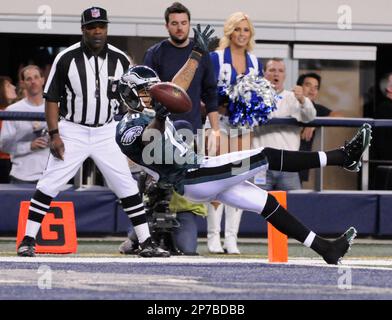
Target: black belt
point(92, 125)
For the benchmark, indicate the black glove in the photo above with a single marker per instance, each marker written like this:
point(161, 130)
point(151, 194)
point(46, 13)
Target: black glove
point(202, 39)
point(160, 110)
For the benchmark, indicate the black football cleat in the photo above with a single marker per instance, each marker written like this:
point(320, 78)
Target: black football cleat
point(149, 249)
point(354, 149)
point(129, 247)
point(27, 247)
point(340, 247)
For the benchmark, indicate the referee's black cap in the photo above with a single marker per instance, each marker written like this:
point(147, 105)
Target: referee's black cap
point(94, 14)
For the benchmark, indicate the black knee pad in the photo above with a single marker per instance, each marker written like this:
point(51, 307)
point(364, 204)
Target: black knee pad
point(270, 206)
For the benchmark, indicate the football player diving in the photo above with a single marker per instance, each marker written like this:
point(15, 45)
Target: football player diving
point(147, 137)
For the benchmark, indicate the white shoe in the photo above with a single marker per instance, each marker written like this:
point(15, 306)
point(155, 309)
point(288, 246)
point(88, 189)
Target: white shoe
point(230, 246)
point(214, 218)
point(214, 245)
point(232, 224)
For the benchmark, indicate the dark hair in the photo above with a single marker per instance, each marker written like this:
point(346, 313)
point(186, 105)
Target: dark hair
point(384, 82)
point(301, 78)
point(3, 99)
point(176, 7)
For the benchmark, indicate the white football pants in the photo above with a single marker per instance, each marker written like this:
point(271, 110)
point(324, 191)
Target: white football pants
point(80, 143)
point(235, 190)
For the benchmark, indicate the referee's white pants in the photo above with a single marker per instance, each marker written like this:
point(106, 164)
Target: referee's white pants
point(81, 142)
point(235, 190)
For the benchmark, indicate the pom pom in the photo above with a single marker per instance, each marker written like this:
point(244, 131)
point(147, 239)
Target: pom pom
point(251, 101)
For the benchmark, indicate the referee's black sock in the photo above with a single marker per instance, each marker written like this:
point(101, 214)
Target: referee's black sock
point(286, 223)
point(293, 161)
point(134, 208)
point(39, 207)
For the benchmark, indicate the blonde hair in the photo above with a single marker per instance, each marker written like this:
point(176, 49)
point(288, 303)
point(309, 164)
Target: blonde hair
point(230, 24)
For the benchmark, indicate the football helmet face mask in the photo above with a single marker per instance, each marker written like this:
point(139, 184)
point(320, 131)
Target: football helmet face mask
point(137, 79)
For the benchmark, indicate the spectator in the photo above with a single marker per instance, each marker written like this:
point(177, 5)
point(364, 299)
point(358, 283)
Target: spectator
point(290, 104)
point(311, 83)
point(7, 96)
point(27, 141)
point(232, 59)
point(167, 58)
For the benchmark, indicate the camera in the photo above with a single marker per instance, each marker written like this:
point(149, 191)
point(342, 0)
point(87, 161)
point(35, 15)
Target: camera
point(162, 222)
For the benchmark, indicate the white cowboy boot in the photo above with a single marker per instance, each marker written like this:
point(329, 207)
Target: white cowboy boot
point(214, 219)
point(232, 224)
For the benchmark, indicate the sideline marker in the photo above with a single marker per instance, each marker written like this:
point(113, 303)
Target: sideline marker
point(58, 229)
point(277, 241)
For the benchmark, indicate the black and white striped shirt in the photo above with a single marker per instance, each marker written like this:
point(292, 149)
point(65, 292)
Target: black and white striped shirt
point(78, 80)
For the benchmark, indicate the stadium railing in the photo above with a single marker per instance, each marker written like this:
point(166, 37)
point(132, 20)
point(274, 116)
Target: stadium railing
point(321, 122)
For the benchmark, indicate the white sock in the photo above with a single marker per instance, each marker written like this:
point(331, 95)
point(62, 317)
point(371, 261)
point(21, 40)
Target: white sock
point(309, 239)
point(32, 228)
point(142, 232)
point(322, 158)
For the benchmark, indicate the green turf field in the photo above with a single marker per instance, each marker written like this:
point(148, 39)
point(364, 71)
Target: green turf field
point(250, 248)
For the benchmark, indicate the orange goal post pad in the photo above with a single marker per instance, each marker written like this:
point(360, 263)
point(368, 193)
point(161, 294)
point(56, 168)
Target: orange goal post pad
point(277, 241)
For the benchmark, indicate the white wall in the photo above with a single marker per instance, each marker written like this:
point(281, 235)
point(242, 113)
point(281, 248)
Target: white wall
point(282, 20)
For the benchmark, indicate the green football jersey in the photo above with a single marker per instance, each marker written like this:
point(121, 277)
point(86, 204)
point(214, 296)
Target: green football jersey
point(166, 156)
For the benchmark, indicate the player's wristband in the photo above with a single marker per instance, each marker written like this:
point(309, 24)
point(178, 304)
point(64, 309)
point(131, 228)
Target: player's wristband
point(53, 132)
point(195, 55)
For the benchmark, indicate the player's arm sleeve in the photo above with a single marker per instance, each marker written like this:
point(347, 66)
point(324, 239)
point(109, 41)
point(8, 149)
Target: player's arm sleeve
point(55, 84)
point(209, 87)
point(157, 125)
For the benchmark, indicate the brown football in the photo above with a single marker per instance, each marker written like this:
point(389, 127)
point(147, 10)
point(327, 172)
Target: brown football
point(173, 97)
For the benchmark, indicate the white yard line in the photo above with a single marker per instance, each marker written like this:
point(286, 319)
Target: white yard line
point(382, 264)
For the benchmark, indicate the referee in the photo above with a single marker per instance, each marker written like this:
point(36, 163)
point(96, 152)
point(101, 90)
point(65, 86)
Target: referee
point(76, 92)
